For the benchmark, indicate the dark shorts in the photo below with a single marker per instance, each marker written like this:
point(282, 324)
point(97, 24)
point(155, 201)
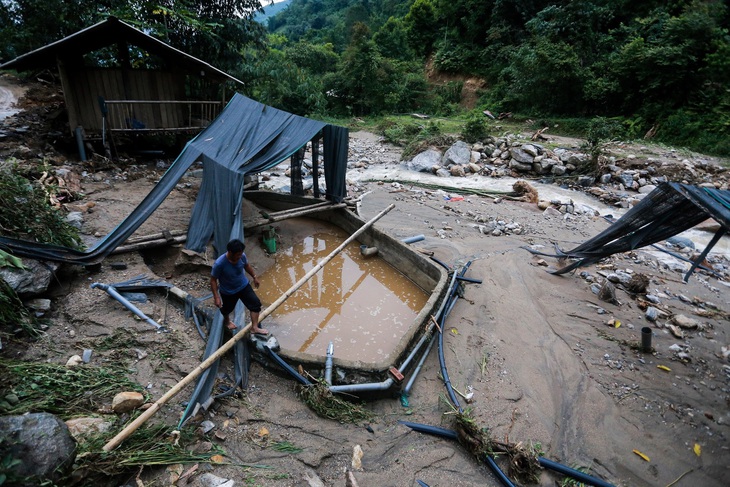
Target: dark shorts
point(246, 295)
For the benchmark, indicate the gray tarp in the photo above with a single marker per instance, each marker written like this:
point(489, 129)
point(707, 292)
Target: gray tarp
point(668, 210)
point(246, 138)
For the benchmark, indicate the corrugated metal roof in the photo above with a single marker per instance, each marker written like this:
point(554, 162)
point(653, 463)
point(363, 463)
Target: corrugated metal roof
point(107, 33)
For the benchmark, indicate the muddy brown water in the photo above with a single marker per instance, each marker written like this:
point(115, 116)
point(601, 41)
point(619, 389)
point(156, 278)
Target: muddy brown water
point(359, 303)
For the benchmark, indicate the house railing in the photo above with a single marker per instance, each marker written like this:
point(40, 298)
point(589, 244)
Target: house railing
point(158, 115)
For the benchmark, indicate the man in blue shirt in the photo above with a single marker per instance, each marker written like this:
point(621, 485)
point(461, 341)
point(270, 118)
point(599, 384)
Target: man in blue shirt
point(229, 283)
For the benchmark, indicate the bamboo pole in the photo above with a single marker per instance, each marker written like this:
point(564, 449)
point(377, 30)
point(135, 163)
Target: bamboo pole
point(277, 217)
point(148, 244)
point(142, 418)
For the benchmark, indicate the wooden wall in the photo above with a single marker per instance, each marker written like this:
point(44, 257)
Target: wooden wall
point(83, 86)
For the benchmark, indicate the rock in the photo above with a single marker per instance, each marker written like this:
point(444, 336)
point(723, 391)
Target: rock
point(442, 172)
point(685, 322)
point(357, 455)
point(558, 170)
point(585, 181)
point(209, 480)
point(127, 401)
point(607, 292)
point(75, 219)
point(425, 161)
point(457, 171)
point(647, 189)
point(519, 166)
point(43, 444)
point(676, 331)
point(31, 281)
point(474, 168)
point(39, 304)
point(550, 211)
point(89, 426)
point(531, 150)
point(520, 155)
point(459, 154)
point(74, 361)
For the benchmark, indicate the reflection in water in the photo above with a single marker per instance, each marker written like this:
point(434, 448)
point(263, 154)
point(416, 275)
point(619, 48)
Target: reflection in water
point(361, 304)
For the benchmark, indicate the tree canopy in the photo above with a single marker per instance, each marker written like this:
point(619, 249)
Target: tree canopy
point(656, 64)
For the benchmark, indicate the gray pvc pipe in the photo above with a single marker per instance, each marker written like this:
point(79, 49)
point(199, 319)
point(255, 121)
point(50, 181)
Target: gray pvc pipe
point(113, 293)
point(369, 387)
point(328, 364)
point(409, 385)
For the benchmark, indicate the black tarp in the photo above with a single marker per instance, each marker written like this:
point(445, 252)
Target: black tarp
point(668, 210)
point(246, 138)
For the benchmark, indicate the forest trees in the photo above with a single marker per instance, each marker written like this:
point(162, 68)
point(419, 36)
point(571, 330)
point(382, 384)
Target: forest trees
point(213, 31)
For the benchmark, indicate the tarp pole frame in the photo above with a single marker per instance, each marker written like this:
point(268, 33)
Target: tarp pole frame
point(718, 235)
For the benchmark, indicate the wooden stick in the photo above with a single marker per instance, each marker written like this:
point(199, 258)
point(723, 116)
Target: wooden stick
point(142, 418)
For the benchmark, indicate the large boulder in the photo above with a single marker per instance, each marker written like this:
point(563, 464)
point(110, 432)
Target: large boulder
point(425, 161)
point(458, 154)
point(31, 281)
point(41, 442)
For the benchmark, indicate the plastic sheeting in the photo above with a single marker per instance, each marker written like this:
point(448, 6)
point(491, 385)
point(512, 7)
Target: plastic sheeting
point(668, 210)
point(246, 138)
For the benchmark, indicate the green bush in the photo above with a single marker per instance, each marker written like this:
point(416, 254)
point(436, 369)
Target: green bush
point(475, 128)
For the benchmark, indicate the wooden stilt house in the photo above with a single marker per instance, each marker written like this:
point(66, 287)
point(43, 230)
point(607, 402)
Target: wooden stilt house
point(107, 93)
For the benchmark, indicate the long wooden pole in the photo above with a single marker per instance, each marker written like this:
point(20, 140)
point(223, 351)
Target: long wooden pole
point(132, 427)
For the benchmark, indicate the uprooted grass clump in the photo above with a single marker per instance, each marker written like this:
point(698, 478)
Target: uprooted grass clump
point(55, 388)
point(155, 445)
point(523, 460)
point(321, 400)
point(28, 215)
point(14, 315)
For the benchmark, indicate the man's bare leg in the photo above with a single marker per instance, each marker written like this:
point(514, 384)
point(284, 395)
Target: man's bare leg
point(227, 323)
point(255, 325)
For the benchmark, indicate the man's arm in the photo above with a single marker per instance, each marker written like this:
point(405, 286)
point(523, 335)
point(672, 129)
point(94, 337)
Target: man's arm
point(216, 294)
point(252, 273)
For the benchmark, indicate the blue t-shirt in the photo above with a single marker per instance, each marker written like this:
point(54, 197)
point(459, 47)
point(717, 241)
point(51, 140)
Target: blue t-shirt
point(231, 277)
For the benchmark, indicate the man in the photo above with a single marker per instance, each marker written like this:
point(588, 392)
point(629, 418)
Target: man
point(229, 283)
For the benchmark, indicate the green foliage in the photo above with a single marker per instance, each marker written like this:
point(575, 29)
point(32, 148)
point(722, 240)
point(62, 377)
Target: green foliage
point(546, 77)
point(413, 136)
point(600, 131)
point(14, 314)
point(57, 389)
point(392, 40)
point(421, 26)
point(26, 213)
point(475, 128)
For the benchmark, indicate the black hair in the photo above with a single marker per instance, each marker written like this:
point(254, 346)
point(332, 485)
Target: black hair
point(235, 246)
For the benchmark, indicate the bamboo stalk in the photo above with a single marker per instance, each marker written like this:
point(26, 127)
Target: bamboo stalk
point(148, 244)
point(154, 236)
point(132, 427)
point(276, 218)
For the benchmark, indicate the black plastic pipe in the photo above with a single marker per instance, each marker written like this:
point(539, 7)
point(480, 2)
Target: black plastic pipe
point(299, 377)
point(442, 361)
point(451, 434)
point(544, 462)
